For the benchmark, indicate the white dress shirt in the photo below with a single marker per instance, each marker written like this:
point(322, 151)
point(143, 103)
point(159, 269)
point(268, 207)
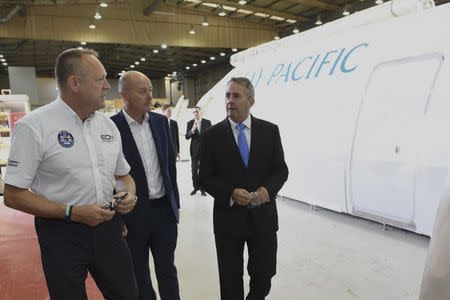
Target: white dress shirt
point(199, 124)
point(143, 137)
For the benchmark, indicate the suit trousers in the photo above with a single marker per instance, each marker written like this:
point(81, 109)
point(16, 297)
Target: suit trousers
point(157, 231)
point(70, 250)
point(195, 163)
point(261, 267)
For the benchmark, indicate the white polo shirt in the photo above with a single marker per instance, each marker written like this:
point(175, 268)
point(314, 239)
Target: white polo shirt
point(58, 156)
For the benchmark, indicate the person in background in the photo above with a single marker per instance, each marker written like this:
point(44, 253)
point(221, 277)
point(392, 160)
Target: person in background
point(65, 162)
point(243, 168)
point(173, 125)
point(153, 223)
point(194, 130)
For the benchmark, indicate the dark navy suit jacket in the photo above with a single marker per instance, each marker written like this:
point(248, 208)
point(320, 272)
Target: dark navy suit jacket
point(166, 157)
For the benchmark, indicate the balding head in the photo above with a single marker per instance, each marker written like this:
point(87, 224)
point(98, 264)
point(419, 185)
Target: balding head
point(128, 78)
point(136, 91)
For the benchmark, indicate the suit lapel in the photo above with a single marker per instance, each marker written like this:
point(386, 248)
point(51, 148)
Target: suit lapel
point(130, 150)
point(255, 138)
point(154, 126)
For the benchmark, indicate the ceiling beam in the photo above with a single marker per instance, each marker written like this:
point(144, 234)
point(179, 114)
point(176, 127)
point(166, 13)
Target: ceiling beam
point(262, 10)
point(319, 4)
point(152, 7)
point(171, 30)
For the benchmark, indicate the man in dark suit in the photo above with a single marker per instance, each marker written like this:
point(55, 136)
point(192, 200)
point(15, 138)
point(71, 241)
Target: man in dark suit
point(173, 125)
point(150, 154)
point(243, 168)
point(194, 130)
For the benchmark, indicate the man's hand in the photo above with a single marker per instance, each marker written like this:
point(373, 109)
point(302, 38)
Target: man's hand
point(260, 197)
point(92, 214)
point(242, 197)
point(194, 126)
point(127, 204)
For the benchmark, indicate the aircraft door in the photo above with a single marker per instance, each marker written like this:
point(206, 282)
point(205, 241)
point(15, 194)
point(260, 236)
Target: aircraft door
point(386, 143)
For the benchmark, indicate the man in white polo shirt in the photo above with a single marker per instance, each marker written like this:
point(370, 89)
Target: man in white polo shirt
point(65, 162)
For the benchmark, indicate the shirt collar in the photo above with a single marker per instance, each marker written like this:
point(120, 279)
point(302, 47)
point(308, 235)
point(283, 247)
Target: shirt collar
point(247, 122)
point(70, 111)
point(130, 120)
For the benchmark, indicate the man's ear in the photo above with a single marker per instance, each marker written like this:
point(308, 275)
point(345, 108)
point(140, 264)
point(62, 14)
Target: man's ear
point(73, 83)
point(124, 96)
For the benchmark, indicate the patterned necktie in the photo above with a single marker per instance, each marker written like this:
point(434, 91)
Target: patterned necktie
point(242, 143)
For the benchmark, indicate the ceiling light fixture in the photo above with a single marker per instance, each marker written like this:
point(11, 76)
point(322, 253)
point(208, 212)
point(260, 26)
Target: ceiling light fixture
point(1, 56)
point(222, 54)
point(346, 12)
point(164, 46)
point(97, 15)
point(212, 58)
point(242, 2)
point(92, 26)
point(155, 50)
point(379, 2)
point(221, 12)
point(295, 30)
point(136, 63)
point(192, 30)
point(142, 58)
point(319, 21)
point(276, 37)
point(234, 49)
point(83, 43)
point(187, 68)
point(2, 60)
point(132, 66)
point(194, 65)
point(103, 4)
point(203, 61)
point(205, 22)
point(5, 64)
point(81, 48)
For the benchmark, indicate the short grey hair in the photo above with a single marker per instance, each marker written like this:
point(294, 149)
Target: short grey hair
point(245, 82)
point(68, 63)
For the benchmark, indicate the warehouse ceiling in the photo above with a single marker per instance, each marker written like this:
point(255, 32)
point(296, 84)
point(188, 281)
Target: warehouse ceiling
point(131, 32)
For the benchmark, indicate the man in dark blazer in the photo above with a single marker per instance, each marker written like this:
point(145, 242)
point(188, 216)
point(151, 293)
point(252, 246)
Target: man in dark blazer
point(243, 168)
point(194, 130)
point(150, 154)
point(173, 125)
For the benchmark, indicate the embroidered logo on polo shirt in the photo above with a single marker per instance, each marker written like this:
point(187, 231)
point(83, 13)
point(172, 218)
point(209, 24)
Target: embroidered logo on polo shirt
point(13, 163)
point(107, 138)
point(65, 139)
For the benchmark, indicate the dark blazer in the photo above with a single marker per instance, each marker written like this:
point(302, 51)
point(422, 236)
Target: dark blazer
point(166, 157)
point(175, 135)
point(195, 137)
point(222, 170)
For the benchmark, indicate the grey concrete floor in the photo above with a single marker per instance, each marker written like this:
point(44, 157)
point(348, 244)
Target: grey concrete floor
point(322, 255)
